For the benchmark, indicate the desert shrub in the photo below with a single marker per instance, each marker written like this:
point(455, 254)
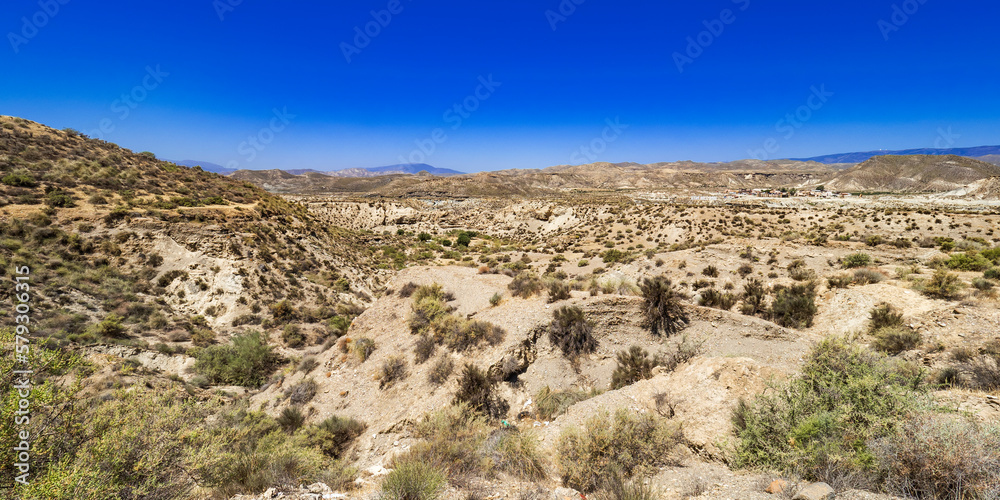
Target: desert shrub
point(168, 277)
point(969, 261)
point(821, 421)
point(874, 240)
point(478, 392)
point(984, 371)
point(710, 271)
point(942, 285)
point(428, 305)
point(291, 419)
point(558, 290)
point(859, 259)
point(495, 299)
point(459, 333)
point(111, 326)
point(515, 452)
point(283, 311)
point(423, 349)
point(441, 370)
point(719, 300)
point(302, 392)
point(392, 370)
point(333, 435)
point(362, 348)
point(614, 255)
point(625, 444)
point(992, 274)
point(571, 332)
point(937, 456)
point(307, 364)
point(525, 285)
point(902, 243)
point(292, 335)
point(745, 270)
point(884, 315)
point(453, 441)
point(754, 298)
point(895, 339)
point(247, 361)
point(413, 480)
point(795, 306)
point(634, 365)
point(407, 290)
point(662, 309)
point(867, 276)
point(550, 404)
point(615, 487)
point(19, 179)
point(840, 281)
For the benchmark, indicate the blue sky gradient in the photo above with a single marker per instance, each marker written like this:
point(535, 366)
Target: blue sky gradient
point(257, 84)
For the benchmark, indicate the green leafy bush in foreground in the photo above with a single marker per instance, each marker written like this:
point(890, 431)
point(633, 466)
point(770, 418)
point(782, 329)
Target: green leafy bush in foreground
point(823, 420)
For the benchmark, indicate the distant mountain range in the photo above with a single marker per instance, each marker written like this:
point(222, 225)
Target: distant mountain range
point(406, 168)
point(976, 152)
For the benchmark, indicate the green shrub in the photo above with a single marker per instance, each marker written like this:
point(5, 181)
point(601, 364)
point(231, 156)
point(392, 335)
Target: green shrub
point(822, 421)
point(291, 419)
point(937, 456)
point(625, 444)
point(428, 305)
point(719, 300)
point(453, 440)
point(571, 332)
point(423, 349)
point(496, 299)
point(302, 392)
point(413, 480)
point(478, 392)
point(859, 259)
point(884, 315)
point(795, 307)
point(970, 261)
point(393, 369)
point(840, 281)
point(111, 326)
point(558, 291)
point(333, 435)
point(662, 308)
point(754, 298)
point(525, 285)
point(19, 179)
point(634, 365)
point(515, 452)
point(292, 335)
point(867, 276)
point(550, 404)
point(895, 339)
point(441, 370)
point(247, 361)
point(362, 348)
point(942, 285)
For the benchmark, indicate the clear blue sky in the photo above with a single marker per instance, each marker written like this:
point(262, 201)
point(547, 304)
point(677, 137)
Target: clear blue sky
point(896, 82)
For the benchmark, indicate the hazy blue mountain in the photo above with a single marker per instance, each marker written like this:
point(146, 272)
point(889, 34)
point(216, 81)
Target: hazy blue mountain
point(975, 152)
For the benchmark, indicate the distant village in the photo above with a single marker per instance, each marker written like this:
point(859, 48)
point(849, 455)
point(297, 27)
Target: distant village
point(819, 192)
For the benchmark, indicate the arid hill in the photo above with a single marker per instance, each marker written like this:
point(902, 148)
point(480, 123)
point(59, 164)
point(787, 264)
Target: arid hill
point(912, 174)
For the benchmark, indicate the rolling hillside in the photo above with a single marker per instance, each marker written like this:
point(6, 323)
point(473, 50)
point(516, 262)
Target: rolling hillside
point(912, 174)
